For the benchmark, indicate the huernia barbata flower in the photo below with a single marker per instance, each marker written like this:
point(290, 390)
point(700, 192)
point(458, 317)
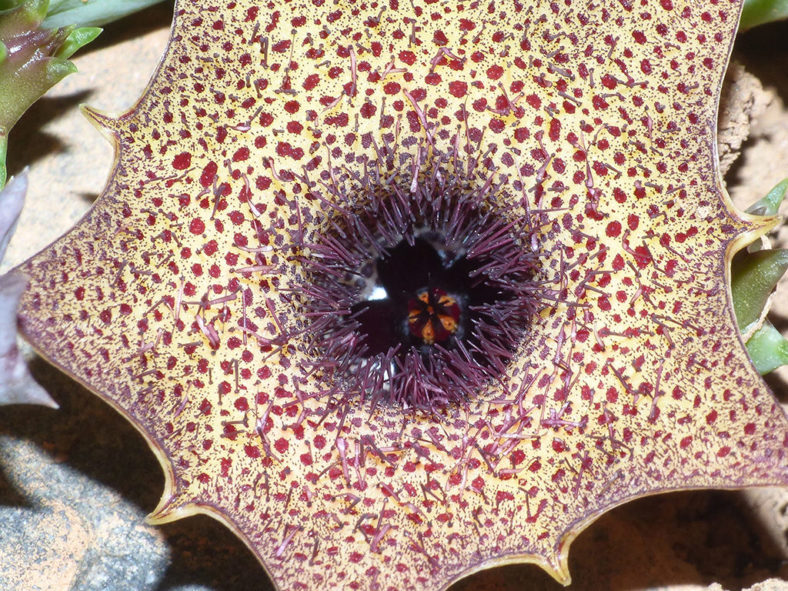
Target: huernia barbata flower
point(401, 291)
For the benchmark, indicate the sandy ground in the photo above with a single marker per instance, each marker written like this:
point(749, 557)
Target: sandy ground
point(76, 483)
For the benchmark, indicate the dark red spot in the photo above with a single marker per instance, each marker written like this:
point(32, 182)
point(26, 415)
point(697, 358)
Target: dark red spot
point(208, 174)
point(467, 25)
point(182, 161)
point(497, 125)
point(432, 79)
point(368, 110)
point(494, 72)
point(281, 46)
point(555, 130)
point(408, 57)
point(391, 88)
point(517, 457)
point(197, 226)
point(521, 134)
point(210, 247)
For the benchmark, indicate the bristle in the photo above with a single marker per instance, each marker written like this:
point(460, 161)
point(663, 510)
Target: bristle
point(507, 287)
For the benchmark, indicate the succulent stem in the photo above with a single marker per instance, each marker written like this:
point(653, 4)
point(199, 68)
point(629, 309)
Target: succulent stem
point(755, 273)
point(32, 60)
point(759, 12)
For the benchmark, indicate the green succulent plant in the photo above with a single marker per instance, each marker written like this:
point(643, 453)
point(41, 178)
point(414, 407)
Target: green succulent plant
point(759, 12)
point(32, 60)
point(37, 38)
point(91, 13)
point(755, 273)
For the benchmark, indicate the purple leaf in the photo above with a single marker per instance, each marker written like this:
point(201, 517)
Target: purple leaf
point(12, 198)
point(16, 384)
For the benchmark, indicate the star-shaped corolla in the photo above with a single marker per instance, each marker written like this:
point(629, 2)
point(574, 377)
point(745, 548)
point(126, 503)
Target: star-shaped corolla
point(185, 298)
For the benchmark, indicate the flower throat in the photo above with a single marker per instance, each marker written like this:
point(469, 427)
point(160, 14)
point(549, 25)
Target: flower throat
point(422, 296)
point(418, 299)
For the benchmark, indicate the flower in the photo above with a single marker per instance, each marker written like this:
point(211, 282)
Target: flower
point(270, 147)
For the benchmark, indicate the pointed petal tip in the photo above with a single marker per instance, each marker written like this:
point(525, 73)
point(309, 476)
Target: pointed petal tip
point(554, 563)
point(171, 507)
point(36, 394)
point(29, 393)
point(762, 216)
point(18, 182)
point(754, 228)
point(50, 403)
point(559, 564)
point(17, 386)
point(104, 122)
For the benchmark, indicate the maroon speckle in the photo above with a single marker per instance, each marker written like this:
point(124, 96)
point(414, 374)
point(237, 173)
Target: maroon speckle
point(197, 226)
point(182, 161)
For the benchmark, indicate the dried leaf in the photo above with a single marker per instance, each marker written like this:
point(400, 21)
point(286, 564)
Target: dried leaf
point(186, 297)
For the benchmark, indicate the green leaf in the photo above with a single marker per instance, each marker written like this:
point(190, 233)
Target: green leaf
point(759, 12)
point(769, 205)
point(56, 70)
point(91, 12)
point(754, 275)
point(753, 278)
point(768, 349)
point(39, 61)
point(77, 39)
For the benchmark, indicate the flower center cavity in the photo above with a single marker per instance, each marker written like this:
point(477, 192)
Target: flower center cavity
point(418, 300)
